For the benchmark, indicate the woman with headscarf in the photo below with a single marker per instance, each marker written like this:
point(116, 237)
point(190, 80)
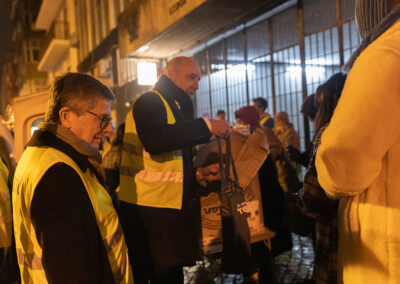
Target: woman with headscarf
point(311, 200)
point(285, 131)
point(272, 197)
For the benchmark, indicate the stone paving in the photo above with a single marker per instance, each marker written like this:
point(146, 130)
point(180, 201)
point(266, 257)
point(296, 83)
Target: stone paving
point(294, 266)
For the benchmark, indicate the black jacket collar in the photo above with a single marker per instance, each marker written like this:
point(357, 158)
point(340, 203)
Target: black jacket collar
point(179, 101)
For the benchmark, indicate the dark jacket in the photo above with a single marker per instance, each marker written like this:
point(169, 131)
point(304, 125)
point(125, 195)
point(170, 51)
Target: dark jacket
point(313, 202)
point(166, 237)
point(64, 220)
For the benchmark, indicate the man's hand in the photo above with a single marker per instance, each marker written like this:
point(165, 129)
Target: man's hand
point(220, 128)
point(208, 174)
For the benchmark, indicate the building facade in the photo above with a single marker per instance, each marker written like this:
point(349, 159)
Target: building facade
point(279, 50)
point(59, 51)
point(27, 45)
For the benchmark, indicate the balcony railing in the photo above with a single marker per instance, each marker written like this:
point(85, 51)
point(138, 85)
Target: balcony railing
point(58, 30)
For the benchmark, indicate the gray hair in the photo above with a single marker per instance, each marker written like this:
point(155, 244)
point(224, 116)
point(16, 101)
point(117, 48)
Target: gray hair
point(77, 91)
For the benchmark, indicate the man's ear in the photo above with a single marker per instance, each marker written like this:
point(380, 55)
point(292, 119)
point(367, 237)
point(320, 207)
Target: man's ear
point(65, 115)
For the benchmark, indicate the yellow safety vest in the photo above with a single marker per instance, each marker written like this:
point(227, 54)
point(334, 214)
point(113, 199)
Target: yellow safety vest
point(33, 164)
point(5, 208)
point(264, 119)
point(147, 179)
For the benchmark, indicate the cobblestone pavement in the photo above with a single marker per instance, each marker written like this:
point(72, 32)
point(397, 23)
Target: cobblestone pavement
point(294, 266)
point(297, 265)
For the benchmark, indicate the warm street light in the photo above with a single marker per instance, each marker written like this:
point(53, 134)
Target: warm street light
point(147, 73)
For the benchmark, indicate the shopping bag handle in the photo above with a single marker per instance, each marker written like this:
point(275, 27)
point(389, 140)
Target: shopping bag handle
point(225, 164)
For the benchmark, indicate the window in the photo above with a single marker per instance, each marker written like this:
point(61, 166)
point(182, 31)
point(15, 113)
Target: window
point(203, 105)
point(35, 124)
point(32, 50)
point(351, 39)
point(236, 69)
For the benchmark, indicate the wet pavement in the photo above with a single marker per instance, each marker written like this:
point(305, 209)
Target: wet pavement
point(294, 266)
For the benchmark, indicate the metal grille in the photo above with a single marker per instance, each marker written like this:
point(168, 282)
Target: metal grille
point(284, 29)
point(318, 15)
point(203, 106)
point(236, 74)
point(351, 39)
point(321, 57)
point(203, 99)
point(348, 9)
point(288, 90)
point(250, 70)
point(259, 63)
point(257, 41)
point(217, 78)
point(202, 61)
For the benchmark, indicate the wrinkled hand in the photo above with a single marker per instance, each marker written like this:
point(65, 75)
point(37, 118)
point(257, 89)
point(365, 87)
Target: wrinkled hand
point(220, 128)
point(293, 153)
point(208, 174)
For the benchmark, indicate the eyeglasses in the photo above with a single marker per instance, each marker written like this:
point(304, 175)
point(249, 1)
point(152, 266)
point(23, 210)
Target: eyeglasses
point(104, 120)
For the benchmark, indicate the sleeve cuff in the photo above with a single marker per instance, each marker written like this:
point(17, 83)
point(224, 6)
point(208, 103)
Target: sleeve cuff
point(207, 121)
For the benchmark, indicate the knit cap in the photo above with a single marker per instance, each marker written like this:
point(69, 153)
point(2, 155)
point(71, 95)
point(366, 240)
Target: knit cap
point(249, 115)
point(369, 13)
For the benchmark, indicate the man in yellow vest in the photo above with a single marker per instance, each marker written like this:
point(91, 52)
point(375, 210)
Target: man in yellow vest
point(261, 105)
point(66, 228)
point(8, 265)
point(160, 209)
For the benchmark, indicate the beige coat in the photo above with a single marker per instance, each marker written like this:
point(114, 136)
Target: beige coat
point(359, 160)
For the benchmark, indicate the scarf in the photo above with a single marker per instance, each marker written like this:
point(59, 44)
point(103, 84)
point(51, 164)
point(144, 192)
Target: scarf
point(371, 35)
point(84, 148)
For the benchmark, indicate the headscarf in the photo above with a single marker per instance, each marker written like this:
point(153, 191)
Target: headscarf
point(249, 115)
point(282, 116)
point(369, 13)
point(372, 24)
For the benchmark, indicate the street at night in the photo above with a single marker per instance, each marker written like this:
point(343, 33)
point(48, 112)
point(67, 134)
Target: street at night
point(199, 141)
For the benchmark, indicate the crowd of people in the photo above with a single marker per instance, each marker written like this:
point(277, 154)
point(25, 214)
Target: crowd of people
point(71, 214)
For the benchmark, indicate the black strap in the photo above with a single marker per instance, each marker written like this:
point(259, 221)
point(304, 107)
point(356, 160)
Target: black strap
point(224, 180)
point(229, 150)
point(225, 165)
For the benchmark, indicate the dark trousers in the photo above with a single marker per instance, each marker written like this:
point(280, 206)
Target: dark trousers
point(159, 275)
point(262, 257)
point(144, 269)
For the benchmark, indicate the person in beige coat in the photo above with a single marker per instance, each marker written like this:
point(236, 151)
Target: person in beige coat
point(358, 160)
point(285, 131)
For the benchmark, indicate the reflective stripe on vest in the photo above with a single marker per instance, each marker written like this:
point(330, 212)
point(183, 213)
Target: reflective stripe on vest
point(5, 208)
point(33, 164)
point(146, 179)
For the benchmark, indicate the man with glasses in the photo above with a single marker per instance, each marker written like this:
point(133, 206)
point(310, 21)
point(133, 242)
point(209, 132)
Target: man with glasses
point(66, 228)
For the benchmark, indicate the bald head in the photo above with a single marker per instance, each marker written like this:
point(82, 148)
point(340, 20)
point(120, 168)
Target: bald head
point(184, 72)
